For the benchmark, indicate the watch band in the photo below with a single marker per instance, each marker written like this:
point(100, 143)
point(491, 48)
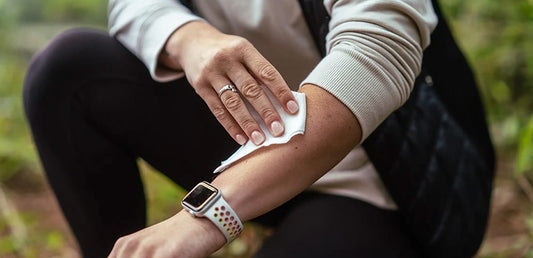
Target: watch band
point(221, 214)
point(205, 200)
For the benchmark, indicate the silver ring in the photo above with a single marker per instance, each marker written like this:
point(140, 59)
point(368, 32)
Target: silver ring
point(225, 88)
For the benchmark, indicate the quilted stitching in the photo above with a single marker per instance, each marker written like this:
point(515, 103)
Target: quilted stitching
point(430, 153)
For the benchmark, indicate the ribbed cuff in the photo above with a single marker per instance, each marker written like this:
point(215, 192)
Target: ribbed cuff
point(358, 82)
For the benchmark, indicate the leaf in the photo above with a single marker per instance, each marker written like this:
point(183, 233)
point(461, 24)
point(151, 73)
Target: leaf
point(8, 244)
point(524, 159)
point(54, 240)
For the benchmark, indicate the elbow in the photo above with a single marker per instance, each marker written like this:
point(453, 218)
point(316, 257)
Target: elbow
point(332, 130)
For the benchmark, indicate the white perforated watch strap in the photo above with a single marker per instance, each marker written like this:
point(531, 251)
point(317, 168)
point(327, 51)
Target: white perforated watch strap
point(225, 219)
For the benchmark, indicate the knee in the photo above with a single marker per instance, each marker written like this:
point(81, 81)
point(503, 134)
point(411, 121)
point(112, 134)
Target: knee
point(63, 54)
point(53, 67)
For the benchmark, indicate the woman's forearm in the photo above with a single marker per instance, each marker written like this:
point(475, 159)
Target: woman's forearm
point(272, 175)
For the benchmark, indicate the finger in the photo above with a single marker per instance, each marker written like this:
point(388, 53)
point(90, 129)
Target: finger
point(266, 74)
point(223, 116)
point(237, 110)
point(257, 97)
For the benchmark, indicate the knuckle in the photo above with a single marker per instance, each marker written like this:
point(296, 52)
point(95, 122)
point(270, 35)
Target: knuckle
point(120, 242)
point(283, 94)
point(232, 101)
point(204, 73)
point(248, 124)
point(239, 43)
point(232, 127)
point(268, 114)
point(220, 57)
point(149, 250)
point(131, 242)
point(201, 91)
point(250, 89)
point(219, 112)
point(268, 73)
point(127, 244)
point(197, 81)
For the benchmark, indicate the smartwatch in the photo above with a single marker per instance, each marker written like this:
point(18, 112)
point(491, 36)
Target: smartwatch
point(205, 200)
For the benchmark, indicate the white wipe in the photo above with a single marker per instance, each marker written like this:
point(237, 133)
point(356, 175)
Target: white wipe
point(294, 125)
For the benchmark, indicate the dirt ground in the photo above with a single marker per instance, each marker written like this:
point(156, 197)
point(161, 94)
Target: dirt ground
point(508, 234)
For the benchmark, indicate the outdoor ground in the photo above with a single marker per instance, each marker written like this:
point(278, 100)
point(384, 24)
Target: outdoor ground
point(47, 235)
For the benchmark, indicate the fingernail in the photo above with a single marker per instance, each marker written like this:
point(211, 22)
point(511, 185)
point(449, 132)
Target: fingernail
point(257, 137)
point(292, 106)
point(240, 139)
point(276, 128)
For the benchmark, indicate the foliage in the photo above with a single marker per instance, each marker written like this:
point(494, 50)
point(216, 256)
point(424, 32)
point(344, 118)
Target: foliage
point(498, 40)
point(496, 36)
point(162, 194)
point(35, 244)
point(524, 160)
point(85, 11)
point(16, 149)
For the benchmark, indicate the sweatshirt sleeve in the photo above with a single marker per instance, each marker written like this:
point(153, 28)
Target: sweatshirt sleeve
point(374, 53)
point(143, 26)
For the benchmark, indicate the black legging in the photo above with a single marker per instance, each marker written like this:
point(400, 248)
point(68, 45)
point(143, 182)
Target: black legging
point(94, 109)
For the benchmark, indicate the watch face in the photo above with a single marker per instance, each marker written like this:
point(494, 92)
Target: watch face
point(198, 197)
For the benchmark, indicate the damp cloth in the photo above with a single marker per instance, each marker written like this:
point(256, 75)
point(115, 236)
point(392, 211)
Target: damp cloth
point(294, 125)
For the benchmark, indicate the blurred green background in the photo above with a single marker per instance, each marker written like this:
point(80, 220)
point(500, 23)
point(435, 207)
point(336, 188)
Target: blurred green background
point(496, 36)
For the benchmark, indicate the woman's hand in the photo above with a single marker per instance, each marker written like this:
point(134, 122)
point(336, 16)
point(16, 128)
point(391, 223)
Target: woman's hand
point(212, 60)
point(179, 236)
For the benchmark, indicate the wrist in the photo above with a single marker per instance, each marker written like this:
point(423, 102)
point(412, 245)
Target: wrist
point(206, 201)
point(206, 232)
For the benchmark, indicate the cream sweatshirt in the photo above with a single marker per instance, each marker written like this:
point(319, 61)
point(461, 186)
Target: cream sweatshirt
point(374, 53)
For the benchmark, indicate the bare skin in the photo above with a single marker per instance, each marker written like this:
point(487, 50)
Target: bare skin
point(331, 132)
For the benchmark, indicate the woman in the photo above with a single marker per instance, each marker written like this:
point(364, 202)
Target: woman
point(96, 104)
